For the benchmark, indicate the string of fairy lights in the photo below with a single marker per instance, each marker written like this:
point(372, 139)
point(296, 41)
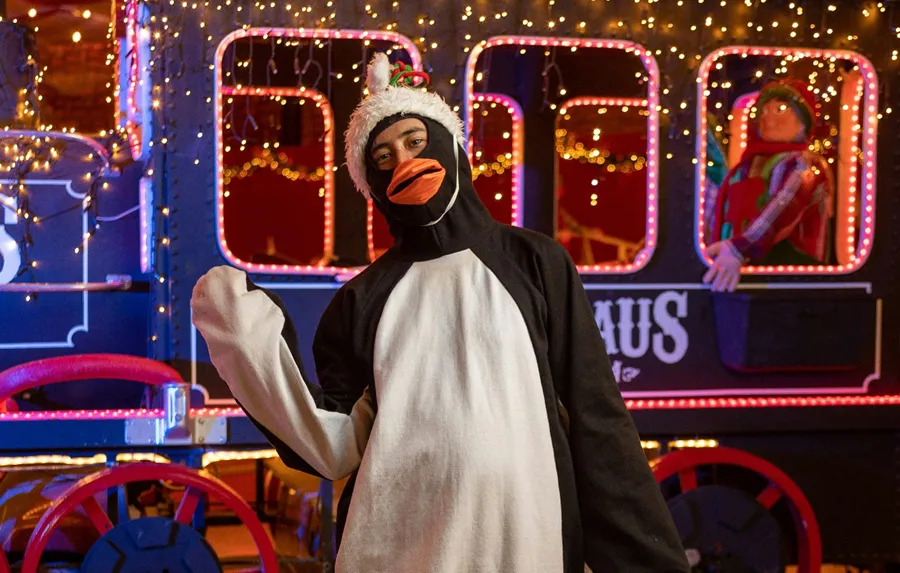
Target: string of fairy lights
point(30, 149)
point(28, 155)
point(566, 147)
point(678, 34)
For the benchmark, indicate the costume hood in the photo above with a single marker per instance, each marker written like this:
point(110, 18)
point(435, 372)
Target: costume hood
point(389, 96)
point(429, 201)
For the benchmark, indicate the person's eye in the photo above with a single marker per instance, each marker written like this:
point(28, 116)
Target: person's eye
point(418, 142)
point(382, 158)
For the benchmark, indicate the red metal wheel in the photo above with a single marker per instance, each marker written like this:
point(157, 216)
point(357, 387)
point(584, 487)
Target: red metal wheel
point(197, 485)
point(4, 564)
point(684, 464)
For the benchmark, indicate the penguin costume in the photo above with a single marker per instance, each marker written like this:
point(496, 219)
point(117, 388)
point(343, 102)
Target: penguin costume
point(464, 384)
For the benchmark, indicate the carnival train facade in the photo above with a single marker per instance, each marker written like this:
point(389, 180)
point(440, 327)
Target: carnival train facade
point(745, 288)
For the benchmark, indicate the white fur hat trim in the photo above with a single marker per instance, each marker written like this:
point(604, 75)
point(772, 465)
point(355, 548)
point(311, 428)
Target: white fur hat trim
point(384, 101)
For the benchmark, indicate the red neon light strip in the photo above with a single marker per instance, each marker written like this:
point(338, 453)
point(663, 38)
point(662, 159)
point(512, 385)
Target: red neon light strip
point(518, 147)
point(651, 217)
point(322, 104)
point(762, 402)
point(664, 404)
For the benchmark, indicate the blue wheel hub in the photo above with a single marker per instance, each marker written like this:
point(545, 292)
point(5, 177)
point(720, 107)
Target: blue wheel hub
point(151, 545)
point(729, 529)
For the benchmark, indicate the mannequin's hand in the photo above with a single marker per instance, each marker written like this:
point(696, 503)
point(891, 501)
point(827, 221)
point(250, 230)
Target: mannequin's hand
point(725, 272)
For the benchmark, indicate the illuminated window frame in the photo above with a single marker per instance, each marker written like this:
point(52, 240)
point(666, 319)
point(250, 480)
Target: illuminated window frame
point(869, 102)
point(652, 221)
point(400, 41)
point(321, 103)
point(518, 146)
point(652, 124)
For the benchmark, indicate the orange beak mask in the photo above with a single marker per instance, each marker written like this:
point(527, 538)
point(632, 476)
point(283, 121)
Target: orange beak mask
point(419, 191)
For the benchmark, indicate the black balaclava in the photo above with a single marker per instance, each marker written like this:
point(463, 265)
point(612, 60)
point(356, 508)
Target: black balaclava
point(453, 219)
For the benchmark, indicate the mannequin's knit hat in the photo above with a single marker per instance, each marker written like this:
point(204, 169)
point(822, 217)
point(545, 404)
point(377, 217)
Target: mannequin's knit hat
point(799, 96)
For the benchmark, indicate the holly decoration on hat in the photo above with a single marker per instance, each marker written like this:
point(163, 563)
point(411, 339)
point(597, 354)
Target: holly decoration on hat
point(404, 74)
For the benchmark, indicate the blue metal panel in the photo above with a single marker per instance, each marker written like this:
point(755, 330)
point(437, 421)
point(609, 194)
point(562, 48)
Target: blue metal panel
point(51, 324)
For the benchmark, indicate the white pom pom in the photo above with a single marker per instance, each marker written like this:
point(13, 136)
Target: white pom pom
point(378, 74)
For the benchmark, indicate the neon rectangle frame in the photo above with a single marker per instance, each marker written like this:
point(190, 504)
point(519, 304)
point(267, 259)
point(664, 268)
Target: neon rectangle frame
point(322, 104)
point(518, 143)
point(402, 42)
point(609, 102)
point(868, 125)
point(653, 107)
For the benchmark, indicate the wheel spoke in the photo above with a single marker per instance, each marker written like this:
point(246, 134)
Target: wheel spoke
point(189, 501)
point(688, 480)
point(769, 497)
point(97, 515)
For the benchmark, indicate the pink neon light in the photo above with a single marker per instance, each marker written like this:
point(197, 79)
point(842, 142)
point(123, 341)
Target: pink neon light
point(585, 101)
point(869, 125)
point(740, 123)
point(132, 32)
point(328, 118)
point(370, 229)
point(144, 212)
point(121, 414)
point(652, 221)
point(847, 172)
point(786, 402)
point(642, 404)
point(399, 41)
point(117, 44)
point(652, 120)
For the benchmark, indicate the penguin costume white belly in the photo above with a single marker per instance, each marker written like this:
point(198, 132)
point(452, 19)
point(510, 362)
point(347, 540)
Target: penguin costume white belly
point(464, 385)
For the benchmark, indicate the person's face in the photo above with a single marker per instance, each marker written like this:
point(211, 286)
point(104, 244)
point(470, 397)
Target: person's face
point(412, 170)
point(778, 122)
point(399, 142)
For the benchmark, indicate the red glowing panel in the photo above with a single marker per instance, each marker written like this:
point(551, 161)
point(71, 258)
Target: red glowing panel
point(857, 133)
point(601, 173)
point(276, 202)
point(651, 105)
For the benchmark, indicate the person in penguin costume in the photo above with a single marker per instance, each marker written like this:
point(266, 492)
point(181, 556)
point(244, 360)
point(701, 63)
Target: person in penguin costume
point(463, 383)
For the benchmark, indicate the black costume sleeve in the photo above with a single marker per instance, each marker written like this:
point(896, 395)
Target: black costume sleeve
point(627, 526)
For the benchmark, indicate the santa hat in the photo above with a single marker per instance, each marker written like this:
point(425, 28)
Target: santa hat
point(393, 90)
point(799, 96)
